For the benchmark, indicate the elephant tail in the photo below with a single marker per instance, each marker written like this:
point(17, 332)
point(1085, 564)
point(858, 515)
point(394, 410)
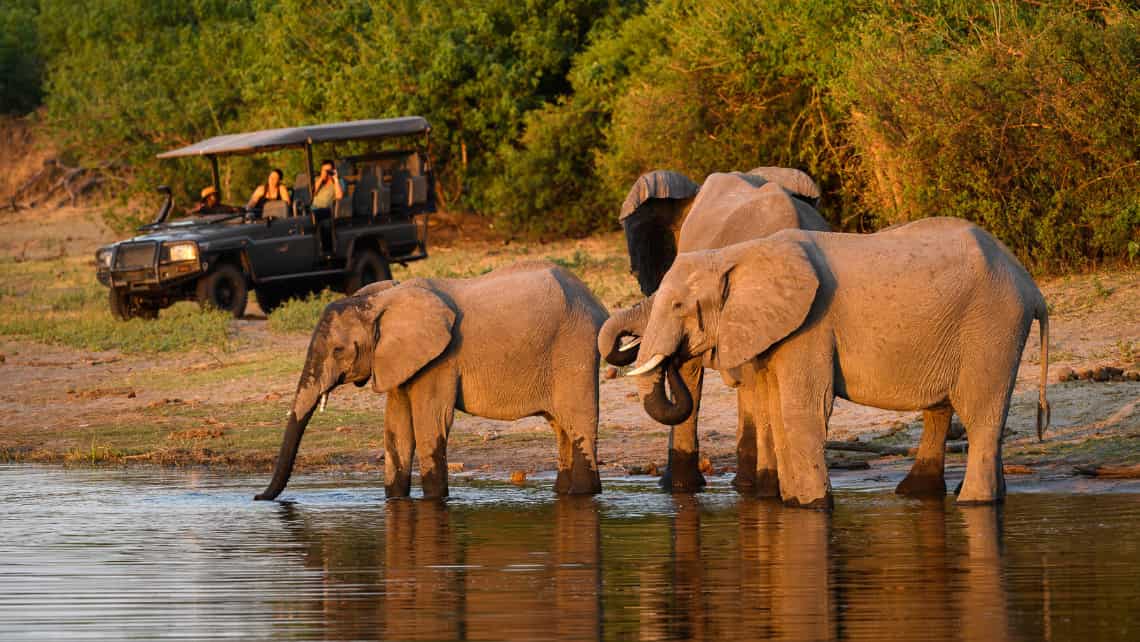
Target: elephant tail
point(1042, 316)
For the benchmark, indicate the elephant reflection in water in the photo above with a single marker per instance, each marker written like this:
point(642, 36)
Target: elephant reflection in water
point(887, 578)
point(946, 593)
point(428, 572)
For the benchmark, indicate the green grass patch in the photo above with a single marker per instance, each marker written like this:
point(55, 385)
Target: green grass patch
point(59, 302)
point(301, 315)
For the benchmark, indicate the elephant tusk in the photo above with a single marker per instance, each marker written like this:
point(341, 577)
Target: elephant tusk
point(630, 345)
point(324, 402)
point(649, 366)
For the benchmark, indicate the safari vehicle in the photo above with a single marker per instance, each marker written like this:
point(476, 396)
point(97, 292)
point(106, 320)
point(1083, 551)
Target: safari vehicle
point(282, 250)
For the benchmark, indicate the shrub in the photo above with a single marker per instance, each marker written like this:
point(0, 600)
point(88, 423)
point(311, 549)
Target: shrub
point(1022, 120)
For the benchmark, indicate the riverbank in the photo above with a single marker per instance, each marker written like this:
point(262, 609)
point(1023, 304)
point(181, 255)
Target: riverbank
point(197, 389)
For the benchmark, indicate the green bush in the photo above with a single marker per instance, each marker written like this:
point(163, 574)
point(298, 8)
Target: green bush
point(1024, 121)
point(21, 65)
point(1019, 116)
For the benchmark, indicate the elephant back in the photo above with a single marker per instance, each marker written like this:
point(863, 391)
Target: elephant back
point(798, 183)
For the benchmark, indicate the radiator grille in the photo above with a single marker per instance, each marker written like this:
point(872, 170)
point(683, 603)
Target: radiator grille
point(136, 255)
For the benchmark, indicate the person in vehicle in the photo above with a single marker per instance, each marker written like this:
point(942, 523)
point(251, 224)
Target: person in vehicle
point(211, 203)
point(271, 190)
point(329, 188)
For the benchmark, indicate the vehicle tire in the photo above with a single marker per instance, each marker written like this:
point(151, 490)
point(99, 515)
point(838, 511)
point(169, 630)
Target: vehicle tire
point(224, 289)
point(367, 267)
point(270, 297)
point(124, 307)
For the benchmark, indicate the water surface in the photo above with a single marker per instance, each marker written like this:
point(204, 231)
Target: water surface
point(151, 554)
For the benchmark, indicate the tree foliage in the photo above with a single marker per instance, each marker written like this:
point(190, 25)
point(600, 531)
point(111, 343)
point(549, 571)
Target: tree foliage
point(1020, 116)
point(21, 66)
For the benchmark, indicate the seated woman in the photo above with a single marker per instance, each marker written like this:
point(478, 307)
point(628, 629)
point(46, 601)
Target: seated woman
point(271, 190)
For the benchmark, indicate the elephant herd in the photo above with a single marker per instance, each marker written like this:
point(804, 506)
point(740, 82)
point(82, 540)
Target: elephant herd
point(741, 275)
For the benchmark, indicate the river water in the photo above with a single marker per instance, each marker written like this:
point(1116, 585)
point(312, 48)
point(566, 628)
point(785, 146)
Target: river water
point(146, 554)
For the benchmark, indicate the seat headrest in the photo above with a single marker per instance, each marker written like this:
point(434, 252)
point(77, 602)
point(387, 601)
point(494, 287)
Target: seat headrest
point(275, 209)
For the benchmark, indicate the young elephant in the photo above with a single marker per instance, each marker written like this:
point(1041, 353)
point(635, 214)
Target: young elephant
point(930, 316)
point(517, 342)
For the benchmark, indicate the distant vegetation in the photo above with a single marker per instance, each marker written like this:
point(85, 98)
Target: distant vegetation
point(1021, 116)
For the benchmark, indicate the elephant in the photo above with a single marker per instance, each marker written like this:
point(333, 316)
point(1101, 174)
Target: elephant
point(932, 315)
point(516, 342)
point(727, 208)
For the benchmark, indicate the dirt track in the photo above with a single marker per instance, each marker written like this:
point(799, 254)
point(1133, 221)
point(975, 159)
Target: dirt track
point(51, 395)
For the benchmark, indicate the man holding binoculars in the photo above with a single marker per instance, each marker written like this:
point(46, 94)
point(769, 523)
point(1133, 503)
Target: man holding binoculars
point(329, 188)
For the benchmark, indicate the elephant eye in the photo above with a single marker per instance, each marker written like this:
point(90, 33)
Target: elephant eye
point(677, 305)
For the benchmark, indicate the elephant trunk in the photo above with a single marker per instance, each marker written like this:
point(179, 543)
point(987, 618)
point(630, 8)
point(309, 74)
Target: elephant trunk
point(304, 405)
point(610, 336)
point(627, 322)
point(656, 401)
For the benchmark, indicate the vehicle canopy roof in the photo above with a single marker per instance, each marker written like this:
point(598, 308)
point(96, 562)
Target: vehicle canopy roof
point(273, 139)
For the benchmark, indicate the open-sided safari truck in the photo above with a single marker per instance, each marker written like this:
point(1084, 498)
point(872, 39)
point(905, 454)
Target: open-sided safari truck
point(283, 249)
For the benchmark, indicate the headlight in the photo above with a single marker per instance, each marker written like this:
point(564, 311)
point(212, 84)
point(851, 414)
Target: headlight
point(103, 257)
point(175, 252)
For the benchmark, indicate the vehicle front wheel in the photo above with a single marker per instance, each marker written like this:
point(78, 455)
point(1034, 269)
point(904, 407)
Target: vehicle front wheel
point(124, 307)
point(224, 289)
point(367, 267)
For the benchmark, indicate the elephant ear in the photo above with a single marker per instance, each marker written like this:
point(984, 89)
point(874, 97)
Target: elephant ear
point(798, 183)
point(651, 214)
point(767, 291)
point(413, 328)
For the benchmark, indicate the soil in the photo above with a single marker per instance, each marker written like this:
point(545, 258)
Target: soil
point(49, 394)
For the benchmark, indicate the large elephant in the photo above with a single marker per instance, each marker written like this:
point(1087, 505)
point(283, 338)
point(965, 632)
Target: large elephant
point(516, 342)
point(931, 316)
point(727, 208)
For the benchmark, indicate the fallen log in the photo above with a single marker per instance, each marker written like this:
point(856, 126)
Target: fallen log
point(884, 449)
point(1109, 472)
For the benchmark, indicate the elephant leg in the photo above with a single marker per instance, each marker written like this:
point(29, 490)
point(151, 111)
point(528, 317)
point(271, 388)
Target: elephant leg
point(985, 480)
point(399, 445)
point(767, 476)
point(981, 398)
point(683, 474)
point(926, 477)
point(577, 456)
point(575, 417)
point(433, 410)
point(799, 408)
point(755, 449)
point(746, 443)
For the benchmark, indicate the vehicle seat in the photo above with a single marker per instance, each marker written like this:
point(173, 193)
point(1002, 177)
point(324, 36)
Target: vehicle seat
point(417, 182)
point(301, 193)
point(274, 209)
point(372, 197)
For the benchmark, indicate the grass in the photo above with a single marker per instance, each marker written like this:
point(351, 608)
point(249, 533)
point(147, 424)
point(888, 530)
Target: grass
point(58, 301)
point(301, 315)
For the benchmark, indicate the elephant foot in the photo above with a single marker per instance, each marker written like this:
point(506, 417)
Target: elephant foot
point(757, 483)
point(397, 489)
point(683, 474)
point(578, 482)
point(434, 484)
point(767, 484)
point(819, 503)
point(744, 483)
point(917, 484)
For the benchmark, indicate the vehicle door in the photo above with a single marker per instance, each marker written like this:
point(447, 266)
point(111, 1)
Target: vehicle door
point(286, 245)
